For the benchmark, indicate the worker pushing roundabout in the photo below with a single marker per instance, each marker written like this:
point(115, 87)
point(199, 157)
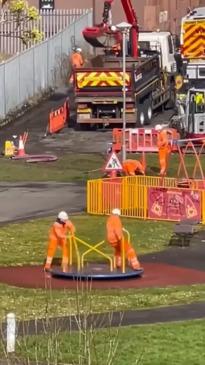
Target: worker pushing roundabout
point(58, 239)
point(123, 264)
point(115, 236)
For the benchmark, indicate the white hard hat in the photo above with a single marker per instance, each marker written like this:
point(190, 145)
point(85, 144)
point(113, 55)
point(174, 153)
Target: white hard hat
point(63, 216)
point(158, 127)
point(113, 28)
point(116, 211)
point(78, 50)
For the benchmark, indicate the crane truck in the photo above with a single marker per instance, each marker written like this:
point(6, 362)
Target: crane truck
point(98, 88)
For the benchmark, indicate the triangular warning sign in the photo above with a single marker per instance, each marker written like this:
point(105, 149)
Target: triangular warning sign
point(113, 163)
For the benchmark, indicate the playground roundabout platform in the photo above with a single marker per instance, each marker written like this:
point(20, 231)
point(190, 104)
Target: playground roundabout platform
point(156, 274)
point(96, 271)
point(174, 266)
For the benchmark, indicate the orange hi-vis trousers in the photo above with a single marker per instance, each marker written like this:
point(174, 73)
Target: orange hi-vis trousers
point(58, 238)
point(52, 247)
point(130, 254)
point(164, 154)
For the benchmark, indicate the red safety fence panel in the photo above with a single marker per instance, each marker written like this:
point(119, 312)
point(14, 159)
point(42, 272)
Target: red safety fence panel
point(58, 118)
point(140, 139)
point(174, 204)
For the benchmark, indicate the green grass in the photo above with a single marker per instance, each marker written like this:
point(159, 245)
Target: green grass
point(30, 239)
point(44, 303)
point(161, 344)
point(153, 165)
point(70, 167)
point(78, 167)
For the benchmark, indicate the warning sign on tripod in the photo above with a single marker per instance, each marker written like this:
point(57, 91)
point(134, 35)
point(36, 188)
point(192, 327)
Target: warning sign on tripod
point(113, 163)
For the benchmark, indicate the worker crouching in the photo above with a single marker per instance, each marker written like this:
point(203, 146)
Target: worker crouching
point(115, 236)
point(164, 148)
point(133, 167)
point(58, 238)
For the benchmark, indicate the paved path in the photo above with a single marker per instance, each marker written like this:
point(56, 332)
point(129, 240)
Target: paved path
point(20, 201)
point(116, 319)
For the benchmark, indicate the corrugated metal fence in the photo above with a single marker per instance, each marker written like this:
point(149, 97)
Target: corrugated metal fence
point(147, 197)
point(39, 68)
point(49, 23)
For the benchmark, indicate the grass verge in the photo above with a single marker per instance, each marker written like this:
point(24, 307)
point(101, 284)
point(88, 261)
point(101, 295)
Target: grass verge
point(39, 303)
point(68, 168)
point(176, 343)
point(30, 238)
point(78, 167)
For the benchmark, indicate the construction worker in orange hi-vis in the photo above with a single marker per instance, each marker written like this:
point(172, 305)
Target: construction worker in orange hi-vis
point(133, 167)
point(115, 236)
point(117, 49)
point(58, 238)
point(164, 147)
point(77, 59)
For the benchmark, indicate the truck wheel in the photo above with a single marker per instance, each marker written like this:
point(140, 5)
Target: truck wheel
point(140, 115)
point(144, 113)
point(149, 112)
point(142, 118)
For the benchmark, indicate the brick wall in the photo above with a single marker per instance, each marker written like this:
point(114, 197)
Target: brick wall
point(152, 14)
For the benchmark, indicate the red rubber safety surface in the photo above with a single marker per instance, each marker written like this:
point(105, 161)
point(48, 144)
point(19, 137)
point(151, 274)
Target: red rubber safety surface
point(155, 275)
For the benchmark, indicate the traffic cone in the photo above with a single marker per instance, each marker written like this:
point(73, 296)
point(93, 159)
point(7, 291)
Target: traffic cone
point(21, 151)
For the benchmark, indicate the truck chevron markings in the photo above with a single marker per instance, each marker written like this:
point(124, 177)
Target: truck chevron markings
point(194, 39)
point(92, 79)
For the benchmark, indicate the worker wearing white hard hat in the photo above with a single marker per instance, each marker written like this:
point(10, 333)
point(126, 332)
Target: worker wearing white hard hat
point(115, 236)
point(58, 238)
point(164, 148)
point(158, 127)
point(77, 61)
point(116, 211)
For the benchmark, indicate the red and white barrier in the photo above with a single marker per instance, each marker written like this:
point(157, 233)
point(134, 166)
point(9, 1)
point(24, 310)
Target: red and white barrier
point(139, 139)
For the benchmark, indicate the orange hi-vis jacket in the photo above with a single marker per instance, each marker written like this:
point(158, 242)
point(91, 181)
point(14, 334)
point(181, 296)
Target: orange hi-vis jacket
point(163, 140)
point(77, 60)
point(114, 229)
point(131, 166)
point(58, 232)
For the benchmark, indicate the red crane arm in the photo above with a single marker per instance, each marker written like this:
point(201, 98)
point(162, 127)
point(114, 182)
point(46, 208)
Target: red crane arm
point(95, 35)
point(132, 19)
point(129, 12)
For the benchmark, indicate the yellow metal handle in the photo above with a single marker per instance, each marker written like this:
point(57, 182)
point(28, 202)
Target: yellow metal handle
point(123, 257)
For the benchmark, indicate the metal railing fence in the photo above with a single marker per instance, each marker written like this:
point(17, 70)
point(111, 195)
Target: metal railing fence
point(50, 22)
point(39, 68)
point(132, 196)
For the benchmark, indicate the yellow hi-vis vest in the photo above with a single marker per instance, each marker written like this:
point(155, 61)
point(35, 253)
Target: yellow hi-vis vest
point(199, 99)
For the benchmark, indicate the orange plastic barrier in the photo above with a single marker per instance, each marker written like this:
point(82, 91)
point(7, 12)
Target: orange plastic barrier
point(58, 118)
point(140, 139)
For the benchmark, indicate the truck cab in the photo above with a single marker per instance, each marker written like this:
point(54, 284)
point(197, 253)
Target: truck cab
point(190, 119)
point(195, 113)
point(161, 42)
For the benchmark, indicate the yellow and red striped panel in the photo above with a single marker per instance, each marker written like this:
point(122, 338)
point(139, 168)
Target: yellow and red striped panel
point(194, 39)
point(101, 79)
